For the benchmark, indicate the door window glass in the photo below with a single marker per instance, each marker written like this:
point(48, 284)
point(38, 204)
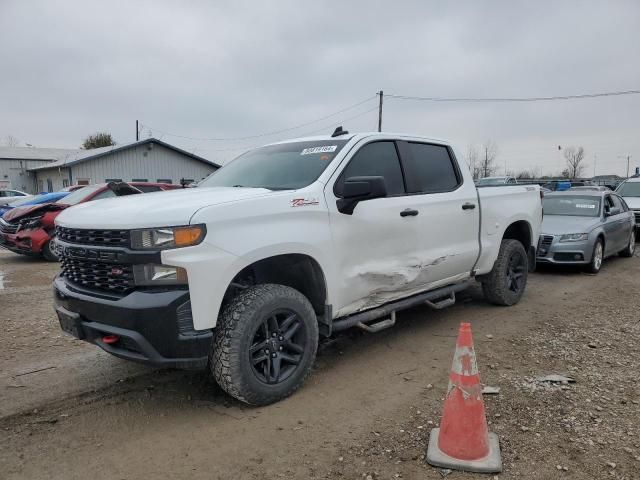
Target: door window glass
point(431, 168)
point(375, 159)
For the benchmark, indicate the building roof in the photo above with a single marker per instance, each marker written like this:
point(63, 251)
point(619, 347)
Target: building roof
point(34, 153)
point(76, 156)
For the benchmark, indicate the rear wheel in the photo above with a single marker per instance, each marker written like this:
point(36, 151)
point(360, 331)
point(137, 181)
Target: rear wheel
point(596, 257)
point(49, 252)
point(264, 344)
point(506, 282)
point(631, 246)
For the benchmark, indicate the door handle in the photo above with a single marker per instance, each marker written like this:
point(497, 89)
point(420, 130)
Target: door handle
point(468, 206)
point(408, 212)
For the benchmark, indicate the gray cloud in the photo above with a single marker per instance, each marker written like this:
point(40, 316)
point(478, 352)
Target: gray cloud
point(203, 69)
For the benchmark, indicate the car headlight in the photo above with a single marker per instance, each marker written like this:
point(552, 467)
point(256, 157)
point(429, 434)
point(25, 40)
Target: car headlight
point(153, 274)
point(29, 223)
point(167, 237)
point(574, 237)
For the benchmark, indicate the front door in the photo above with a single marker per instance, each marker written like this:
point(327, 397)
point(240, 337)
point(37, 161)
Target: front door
point(374, 249)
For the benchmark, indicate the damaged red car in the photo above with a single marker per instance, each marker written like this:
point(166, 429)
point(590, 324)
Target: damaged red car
point(30, 230)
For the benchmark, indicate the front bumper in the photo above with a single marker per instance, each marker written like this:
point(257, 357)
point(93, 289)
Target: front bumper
point(26, 242)
point(565, 253)
point(153, 327)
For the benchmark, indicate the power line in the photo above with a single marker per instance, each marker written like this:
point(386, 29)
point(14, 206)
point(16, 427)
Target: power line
point(265, 134)
point(515, 99)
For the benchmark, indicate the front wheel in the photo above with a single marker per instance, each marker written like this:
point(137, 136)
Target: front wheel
point(264, 344)
point(49, 252)
point(631, 246)
point(506, 282)
point(596, 257)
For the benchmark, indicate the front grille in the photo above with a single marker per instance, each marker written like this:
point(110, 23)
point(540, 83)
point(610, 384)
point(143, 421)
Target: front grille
point(637, 214)
point(115, 238)
point(6, 227)
point(543, 244)
point(110, 277)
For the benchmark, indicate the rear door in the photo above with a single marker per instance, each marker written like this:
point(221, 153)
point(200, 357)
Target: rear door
point(448, 211)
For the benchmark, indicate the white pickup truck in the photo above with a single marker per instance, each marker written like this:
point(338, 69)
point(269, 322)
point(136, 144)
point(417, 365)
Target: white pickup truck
point(284, 244)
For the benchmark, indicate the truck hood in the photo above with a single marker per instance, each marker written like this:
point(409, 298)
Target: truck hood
point(30, 210)
point(633, 202)
point(561, 224)
point(157, 209)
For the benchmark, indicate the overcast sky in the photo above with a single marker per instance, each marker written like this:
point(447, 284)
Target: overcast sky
point(236, 69)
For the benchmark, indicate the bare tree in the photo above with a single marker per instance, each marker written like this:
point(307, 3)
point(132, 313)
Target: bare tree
point(473, 158)
point(11, 141)
point(574, 157)
point(487, 158)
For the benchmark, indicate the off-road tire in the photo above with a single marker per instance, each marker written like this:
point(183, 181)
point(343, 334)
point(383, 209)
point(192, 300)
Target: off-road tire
point(47, 252)
point(495, 283)
point(229, 359)
point(594, 267)
point(631, 246)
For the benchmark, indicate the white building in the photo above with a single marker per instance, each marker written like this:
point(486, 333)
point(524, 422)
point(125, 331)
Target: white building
point(150, 160)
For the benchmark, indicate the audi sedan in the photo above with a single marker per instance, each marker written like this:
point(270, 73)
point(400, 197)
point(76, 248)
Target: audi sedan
point(585, 227)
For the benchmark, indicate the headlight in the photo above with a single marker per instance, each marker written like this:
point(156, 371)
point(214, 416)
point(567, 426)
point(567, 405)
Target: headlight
point(574, 237)
point(152, 274)
point(30, 223)
point(169, 237)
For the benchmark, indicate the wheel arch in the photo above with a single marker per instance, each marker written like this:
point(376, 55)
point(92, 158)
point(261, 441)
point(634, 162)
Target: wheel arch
point(521, 231)
point(296, 270)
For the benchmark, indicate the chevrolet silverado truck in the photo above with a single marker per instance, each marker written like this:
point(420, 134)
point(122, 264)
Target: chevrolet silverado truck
point(286, 243)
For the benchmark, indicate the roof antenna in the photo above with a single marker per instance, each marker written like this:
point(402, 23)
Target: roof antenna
point(338, 132)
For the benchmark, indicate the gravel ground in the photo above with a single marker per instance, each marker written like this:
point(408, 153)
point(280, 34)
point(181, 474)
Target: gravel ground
point(367, 410)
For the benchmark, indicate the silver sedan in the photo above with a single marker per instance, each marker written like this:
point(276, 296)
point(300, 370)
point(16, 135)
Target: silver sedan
point(585, 227)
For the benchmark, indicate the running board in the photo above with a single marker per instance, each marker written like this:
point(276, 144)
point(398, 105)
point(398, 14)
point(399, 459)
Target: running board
point(434, 297)
point(444, 303)
point(379, 326)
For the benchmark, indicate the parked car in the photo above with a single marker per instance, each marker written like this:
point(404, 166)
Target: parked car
point(593, 188)
point(8, 196)
point(288, 242)
point(630, 191)
point(72, 188)
point(495, 181)
point(29, 229)
point(557, 185)
point(33, 200)
point(584, 228)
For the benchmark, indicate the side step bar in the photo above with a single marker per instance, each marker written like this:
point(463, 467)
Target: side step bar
point(438, 298)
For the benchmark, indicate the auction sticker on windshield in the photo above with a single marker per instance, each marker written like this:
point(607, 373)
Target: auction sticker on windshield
point(325, 149)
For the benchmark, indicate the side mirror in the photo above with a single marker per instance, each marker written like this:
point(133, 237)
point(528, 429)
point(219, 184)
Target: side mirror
point(358, 189)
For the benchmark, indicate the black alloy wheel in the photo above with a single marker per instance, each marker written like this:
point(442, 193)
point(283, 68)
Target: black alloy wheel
point(278, 346)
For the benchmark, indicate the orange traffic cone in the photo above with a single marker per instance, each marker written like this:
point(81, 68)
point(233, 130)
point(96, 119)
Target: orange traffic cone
point(463, 441)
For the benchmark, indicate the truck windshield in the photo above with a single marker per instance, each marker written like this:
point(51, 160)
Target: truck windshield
point(629, 189)
point(582, 206)
point(286, 166)
point(79, 195)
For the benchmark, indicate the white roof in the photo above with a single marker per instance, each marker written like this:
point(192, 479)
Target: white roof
point(34, 153)
point(72, 156)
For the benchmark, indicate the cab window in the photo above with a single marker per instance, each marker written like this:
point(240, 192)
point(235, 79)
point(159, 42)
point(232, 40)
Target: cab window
point(375, 159)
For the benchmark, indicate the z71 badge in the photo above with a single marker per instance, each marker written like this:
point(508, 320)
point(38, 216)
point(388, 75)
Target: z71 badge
point(304, 202)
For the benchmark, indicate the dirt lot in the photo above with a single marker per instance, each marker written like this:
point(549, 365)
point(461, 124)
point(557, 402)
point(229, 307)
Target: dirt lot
point(68, 410)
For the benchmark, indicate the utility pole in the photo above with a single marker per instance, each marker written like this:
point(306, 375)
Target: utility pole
point(137, 132)
point(628, 158)
point(381, 93)
point(595, 160)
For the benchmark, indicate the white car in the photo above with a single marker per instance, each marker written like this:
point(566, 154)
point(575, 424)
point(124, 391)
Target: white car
point(7, 196)
point(288, 242)
point(630, 191)
point(495, 181)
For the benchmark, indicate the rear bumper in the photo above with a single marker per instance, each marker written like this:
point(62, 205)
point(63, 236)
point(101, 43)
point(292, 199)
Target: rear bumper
point(154, 328)
point(26, 242)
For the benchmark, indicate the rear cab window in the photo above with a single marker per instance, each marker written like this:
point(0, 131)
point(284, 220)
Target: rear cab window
point(429, 168)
